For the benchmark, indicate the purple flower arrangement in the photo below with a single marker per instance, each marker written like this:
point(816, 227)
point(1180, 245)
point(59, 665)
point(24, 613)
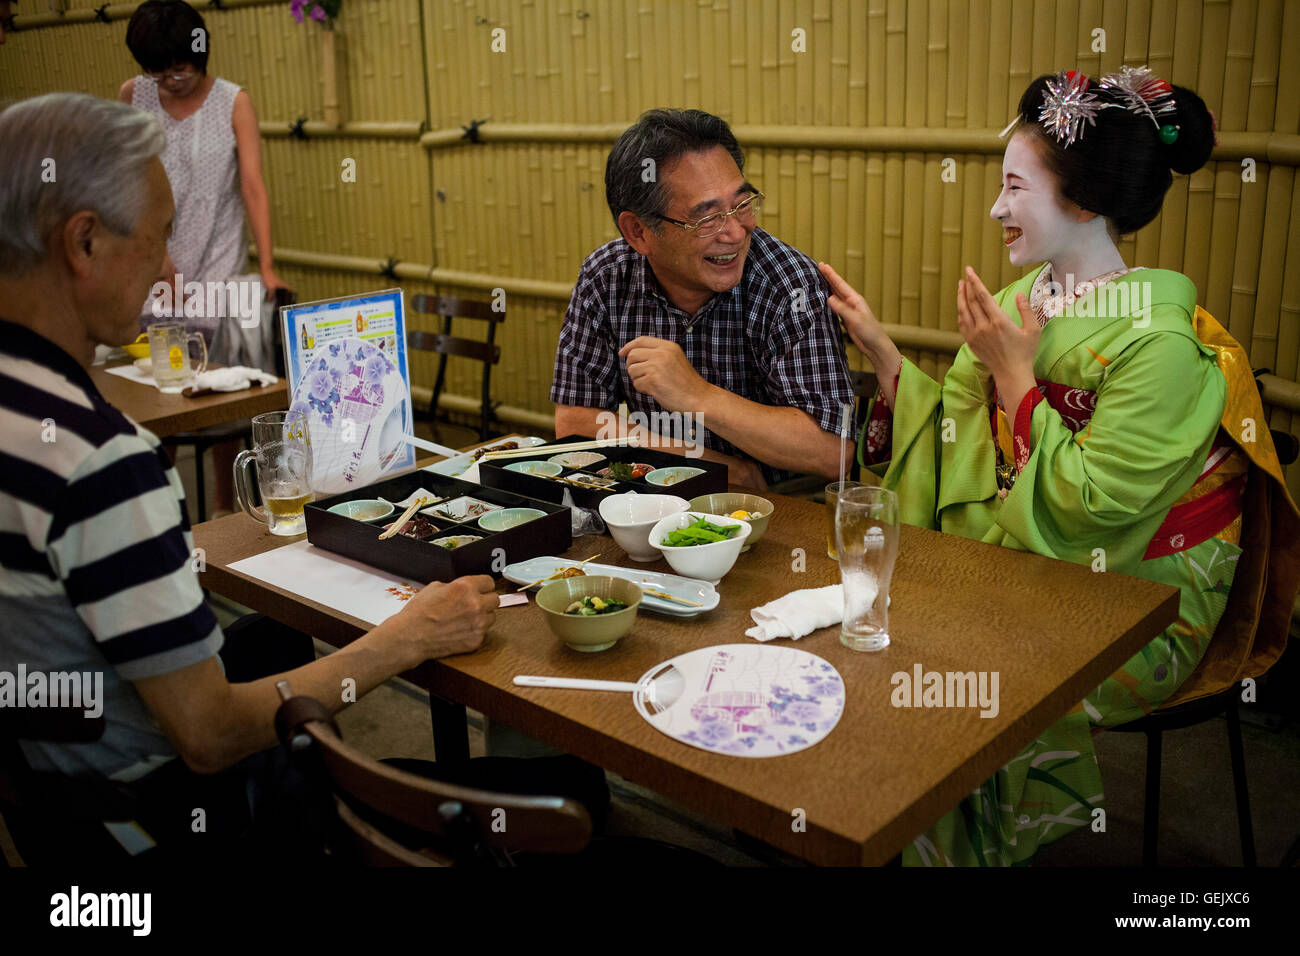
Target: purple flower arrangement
point(323, 11)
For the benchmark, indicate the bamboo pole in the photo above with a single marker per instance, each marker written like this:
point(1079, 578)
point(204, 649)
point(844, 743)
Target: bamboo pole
point(113, 11)
point(1263, 345)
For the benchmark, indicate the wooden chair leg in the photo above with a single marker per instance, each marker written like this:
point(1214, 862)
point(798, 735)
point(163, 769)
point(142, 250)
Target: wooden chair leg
point(1239, 783)
point(1151, 808)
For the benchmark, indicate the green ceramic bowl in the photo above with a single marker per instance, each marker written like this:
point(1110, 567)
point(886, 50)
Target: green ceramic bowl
point(599, 631)
point(547, 469)
point(725, 503)
point(508, 518)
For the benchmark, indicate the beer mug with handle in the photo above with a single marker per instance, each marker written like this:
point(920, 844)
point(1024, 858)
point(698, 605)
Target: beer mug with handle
point(282, 452)
point(169, 356)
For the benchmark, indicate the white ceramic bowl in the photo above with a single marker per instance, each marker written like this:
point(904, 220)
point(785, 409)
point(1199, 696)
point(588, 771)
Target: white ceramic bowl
point(708, 562)
point(630, 517)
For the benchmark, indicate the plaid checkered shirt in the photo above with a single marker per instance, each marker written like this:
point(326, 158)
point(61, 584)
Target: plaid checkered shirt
point(771, 339)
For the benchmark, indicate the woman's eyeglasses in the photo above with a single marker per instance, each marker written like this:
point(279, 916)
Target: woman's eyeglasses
point(177, 75)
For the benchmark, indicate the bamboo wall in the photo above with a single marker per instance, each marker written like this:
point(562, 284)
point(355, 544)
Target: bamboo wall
point(847, 139)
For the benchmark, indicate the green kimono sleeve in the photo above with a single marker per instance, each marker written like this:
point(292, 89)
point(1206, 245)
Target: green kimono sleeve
point(943, 455)
point(1110, 486)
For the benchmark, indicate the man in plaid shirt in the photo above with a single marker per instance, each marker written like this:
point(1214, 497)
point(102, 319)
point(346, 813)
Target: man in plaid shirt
point(697, 311)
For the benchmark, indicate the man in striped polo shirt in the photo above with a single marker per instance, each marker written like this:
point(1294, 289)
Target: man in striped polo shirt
point(95, 546)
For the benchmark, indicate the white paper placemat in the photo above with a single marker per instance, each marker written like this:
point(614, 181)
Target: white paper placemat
point(133, 374)
point(331, 580)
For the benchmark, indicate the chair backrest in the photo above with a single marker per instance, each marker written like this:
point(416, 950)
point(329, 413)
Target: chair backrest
point(445, 344)
point(452, 307)
point(455, 818)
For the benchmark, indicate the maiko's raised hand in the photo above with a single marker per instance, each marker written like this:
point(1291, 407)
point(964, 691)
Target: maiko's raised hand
point(1005, 348)
point(859, 321)
point(660, 369)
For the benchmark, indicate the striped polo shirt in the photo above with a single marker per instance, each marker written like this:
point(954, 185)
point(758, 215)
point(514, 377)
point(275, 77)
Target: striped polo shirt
point(96, 566)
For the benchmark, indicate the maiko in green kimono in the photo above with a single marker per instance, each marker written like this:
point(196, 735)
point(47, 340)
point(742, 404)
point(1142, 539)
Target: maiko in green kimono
point(1086, 429)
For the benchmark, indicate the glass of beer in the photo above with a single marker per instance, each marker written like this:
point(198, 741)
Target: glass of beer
point(282, 453)
point(832, 497)
point(169, 356)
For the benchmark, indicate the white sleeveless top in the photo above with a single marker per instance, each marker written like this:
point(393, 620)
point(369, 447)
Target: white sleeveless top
point(207, 242)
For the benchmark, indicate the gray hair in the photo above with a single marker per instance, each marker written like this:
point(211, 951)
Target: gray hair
point(65, 153)
point(660, 136)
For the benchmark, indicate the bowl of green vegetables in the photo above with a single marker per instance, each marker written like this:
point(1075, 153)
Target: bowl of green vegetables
point(700, 545)
point(590, 613)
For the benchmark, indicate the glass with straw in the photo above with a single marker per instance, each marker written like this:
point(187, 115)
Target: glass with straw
point(834, 489)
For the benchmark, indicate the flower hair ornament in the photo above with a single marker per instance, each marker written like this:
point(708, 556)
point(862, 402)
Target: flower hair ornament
point(1142, 92)
point(1070, 105)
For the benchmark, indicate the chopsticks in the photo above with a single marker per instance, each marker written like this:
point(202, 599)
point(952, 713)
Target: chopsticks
point(400, 523)
point(671, 597)
point(559, 449)
point(555, 573)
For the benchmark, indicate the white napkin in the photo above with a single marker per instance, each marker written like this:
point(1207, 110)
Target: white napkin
point(232, 379)
point(798, 613)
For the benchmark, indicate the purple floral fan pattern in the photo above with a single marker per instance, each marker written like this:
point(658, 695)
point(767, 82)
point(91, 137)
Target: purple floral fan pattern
point(349, 391)
point(752, 700)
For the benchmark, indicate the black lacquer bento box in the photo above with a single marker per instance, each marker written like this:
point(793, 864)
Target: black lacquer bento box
point(493, 474)
point(421, 560)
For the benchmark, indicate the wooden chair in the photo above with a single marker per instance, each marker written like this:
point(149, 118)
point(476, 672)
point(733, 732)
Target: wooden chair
point(457, 826)
point(445, 345)
point(1214, 688)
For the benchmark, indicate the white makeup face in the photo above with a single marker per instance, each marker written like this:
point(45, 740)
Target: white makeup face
point(1037, 221)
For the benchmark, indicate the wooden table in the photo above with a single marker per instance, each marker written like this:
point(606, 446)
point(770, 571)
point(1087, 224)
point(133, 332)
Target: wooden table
point(168, 414)
point(1051, 630)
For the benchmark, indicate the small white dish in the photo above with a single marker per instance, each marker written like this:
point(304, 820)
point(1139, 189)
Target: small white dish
point(630, 517)
point(463, 508)
point(703, 597)
point(453, 541)
point(577, 459)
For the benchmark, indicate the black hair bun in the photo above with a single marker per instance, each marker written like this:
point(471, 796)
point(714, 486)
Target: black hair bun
point(1195, 140)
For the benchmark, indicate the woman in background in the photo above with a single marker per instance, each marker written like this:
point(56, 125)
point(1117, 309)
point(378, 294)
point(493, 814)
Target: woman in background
point(214, 162)
point(1088, 430)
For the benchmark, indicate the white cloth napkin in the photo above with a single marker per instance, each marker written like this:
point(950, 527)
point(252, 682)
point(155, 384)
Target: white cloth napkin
point(232, 379)
point(798, 613)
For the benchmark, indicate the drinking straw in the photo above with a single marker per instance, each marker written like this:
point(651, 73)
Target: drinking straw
point(846, 414)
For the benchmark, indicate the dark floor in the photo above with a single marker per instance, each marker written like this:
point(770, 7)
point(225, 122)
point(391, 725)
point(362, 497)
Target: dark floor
point(1198, 822)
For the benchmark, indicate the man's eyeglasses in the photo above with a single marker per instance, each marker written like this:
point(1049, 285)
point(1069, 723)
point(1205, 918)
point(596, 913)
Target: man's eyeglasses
point(176, 75)
point(714, 224)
